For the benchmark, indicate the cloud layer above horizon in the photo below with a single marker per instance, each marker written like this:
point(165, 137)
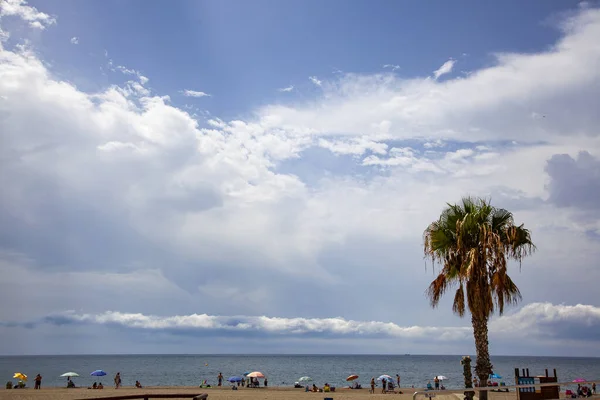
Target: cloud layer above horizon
point(301, 209)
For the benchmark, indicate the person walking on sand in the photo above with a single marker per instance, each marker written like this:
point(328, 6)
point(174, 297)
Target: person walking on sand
point(373, 385)
point(220, 378)
point(398, 380)
point(38, 382)
point(118, 380)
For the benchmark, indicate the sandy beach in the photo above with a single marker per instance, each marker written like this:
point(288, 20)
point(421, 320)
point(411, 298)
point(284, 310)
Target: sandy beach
point(224, 393)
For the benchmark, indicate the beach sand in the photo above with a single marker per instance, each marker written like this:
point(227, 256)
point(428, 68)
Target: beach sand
point(225, 393)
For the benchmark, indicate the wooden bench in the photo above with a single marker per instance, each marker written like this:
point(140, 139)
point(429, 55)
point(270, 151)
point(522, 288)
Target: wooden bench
point(201, 396)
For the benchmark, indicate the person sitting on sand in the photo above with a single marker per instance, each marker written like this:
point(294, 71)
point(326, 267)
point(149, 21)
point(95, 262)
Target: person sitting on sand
point(70, 384)
point(326, 387)
point(315, 388)
point(100, 386)
point(429, 387)
point(95, 386)
point(138, 384)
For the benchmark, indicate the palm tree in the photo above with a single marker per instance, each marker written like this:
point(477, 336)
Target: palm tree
point(473, 241)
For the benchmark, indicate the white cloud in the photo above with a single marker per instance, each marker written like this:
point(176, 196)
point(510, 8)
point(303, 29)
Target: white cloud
point(392, 66)
point(446, 68)
point(434, 144)
point(356, 146)
point(21, 9)
point(194, 93)
point(536, 321)
point(287, 89)
point(74, 40)
point(547, 320)
point(315, 80)
point(328, 327)
point(3, 35)
point(291, 197)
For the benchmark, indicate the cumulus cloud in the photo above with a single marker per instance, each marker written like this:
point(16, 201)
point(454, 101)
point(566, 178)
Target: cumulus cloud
point(268, 326)
point(194, 93)
point(541, 320)
point(21, 9)
point(548, 320)
point(74, 40)
point(127, 186)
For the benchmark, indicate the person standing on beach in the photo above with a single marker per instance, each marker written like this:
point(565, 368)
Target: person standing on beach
point(398, 380)
point(118, 380)
point(220, 378)
point(373, 385)
point(436, 383)
point(38, 382)
point(384, 384)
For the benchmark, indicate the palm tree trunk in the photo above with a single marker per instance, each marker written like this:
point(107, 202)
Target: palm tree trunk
point(483, 365)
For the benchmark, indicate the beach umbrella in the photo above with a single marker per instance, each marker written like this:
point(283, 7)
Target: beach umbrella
point(578, 380)
point(246, 373)
point(70, 374)
point(256, 374)
point(441, 377)
point(386, 377)
point(98, 372)
point(20, 376)
point(305, 379)
point(495, 376)
point(352, 377)
point(235, 379)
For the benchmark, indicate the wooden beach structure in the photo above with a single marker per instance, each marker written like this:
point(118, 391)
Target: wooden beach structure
point(531, 393)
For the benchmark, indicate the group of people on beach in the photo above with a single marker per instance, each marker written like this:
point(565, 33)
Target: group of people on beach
point(585, 391)
point(387, 385)
point(247, 382)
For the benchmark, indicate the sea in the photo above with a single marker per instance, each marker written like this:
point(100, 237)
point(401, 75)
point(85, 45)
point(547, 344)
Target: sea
point(281, 370)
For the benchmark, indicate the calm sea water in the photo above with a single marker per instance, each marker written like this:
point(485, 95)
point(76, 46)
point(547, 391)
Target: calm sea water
point(281, 370)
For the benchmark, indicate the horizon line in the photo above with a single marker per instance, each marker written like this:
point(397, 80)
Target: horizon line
point(280, 354)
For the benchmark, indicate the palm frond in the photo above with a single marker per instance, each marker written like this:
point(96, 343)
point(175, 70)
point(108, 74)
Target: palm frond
point(473, 241)
point(458, 305)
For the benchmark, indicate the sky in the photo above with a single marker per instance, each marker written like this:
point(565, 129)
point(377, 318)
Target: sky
point(256, 177)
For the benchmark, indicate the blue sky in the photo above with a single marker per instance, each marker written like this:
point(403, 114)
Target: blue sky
point(265, 170)
point(242, 51)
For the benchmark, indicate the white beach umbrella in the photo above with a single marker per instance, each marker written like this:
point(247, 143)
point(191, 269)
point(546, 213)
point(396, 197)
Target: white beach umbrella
point(441, 378)
point(69, 374)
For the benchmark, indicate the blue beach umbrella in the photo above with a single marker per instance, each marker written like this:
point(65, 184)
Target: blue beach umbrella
point(495, 376)
point(246, 373)
point(98, 372)
point(235, 379)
